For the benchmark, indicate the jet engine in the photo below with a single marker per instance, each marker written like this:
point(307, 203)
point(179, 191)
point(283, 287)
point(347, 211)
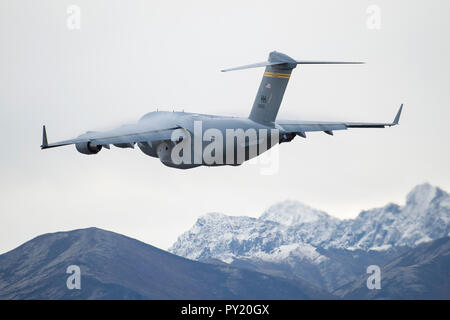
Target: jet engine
point(87, 148)
point(164, 151)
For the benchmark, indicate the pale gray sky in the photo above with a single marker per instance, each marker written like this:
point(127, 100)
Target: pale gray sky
point(130, 57)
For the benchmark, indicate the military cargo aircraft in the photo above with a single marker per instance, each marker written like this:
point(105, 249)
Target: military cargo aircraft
point(186, 140)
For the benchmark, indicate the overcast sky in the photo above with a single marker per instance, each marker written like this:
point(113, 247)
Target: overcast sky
point(130, 57)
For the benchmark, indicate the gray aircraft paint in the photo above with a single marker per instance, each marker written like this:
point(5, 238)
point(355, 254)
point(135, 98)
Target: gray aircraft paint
point(272, 88)
point(187, 122)
point(154, 132)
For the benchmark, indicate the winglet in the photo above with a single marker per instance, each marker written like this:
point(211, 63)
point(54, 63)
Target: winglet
point(44, 138)
point(397, 117)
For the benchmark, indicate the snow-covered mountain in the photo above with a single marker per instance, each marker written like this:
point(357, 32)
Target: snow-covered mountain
point(300, 238)
point(292, 226)
point(425, 217)
point(270, 237)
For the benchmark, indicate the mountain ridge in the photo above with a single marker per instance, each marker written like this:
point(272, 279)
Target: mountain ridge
point(331, 232)
point(308, 243)
point(420, 273)
point(114, 266)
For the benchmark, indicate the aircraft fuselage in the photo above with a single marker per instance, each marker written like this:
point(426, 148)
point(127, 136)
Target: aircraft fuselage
point(211, 140)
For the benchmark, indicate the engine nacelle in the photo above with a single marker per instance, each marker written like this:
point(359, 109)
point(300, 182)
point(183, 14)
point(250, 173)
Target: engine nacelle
point(87, 148)
point(164, 152)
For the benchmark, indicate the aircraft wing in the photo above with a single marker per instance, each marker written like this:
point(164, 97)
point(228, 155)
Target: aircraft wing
point(300, 127)
point(118, 136)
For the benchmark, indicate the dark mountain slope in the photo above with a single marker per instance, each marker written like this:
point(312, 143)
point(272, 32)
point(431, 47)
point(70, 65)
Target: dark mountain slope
point(117, 267)
point(420, 273)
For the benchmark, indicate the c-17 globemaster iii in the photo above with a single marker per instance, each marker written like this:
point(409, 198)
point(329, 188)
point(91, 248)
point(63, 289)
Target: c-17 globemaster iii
point(186, 140)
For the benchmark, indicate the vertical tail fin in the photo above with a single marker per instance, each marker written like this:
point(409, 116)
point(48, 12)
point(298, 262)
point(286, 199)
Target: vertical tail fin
point(273, 85)
point(271, 90)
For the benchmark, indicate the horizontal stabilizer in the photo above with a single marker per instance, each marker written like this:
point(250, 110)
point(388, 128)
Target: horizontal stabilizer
point(254, 65)
point(327, 62)
point(277, 58)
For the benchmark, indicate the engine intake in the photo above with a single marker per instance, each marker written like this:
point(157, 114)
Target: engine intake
point(87, 148)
